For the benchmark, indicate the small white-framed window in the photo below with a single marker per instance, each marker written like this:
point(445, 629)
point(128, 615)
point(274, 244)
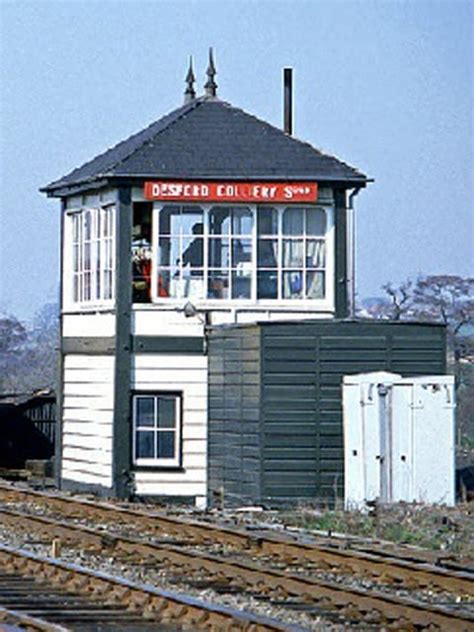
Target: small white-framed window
point(157, 429)
point(91, 246)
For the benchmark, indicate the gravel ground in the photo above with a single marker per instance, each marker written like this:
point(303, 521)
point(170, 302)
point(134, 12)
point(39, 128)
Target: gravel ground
point(161, 578)
point(350, 581)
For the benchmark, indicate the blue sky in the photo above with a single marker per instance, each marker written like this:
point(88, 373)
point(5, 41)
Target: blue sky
point(387, 86)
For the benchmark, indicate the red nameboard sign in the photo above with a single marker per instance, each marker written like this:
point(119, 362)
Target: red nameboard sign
point(188, 191)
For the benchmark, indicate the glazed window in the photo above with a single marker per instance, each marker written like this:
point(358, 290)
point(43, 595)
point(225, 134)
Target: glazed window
point(303, 253)
point(230, 252)
point(142, 252)
point(180, 256)
point(157, 429)
point(240, 253)
point(92, 238)
point(291, 253)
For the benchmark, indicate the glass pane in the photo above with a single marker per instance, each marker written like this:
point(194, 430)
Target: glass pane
point(75, 227)
point(218, 284)
point(75, 258)
point(219, 221)
point(108, 284)
point(242, 221)
point(293, 221)
point(141, 272)
point(315, 284)
point(109, 254)
point(315, 221)
point(292, 284)
point(87, 256)
point(241, 252)
point(193, 283)
point(315, 253)
point(241, 284)
point(166, 443)
point(219, 253)
point(267, 285)
point(145, 411)
point(145, 448)
point(193, 251)
point(87, 286)
point(170, 220)
point(98, 216)
point(267, 253)
point(293, 253)
point(75, 290)
point(110, 221)
point(168, 283)
point(168, 251)
point(267, 221)
point(87, 225)
point(192, 220)
point(98, 278)
point(166, 412)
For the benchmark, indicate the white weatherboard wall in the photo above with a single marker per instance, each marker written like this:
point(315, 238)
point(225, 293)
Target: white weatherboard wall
point(398, 439)
point(94, 325)
point(88, 402)
point(186, 374)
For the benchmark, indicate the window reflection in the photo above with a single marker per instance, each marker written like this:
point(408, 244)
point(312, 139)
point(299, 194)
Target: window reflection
point(267, 221)
point(292, 284)
point(218, 284)
point(293, 221)
point(315, 222)
point(267, 284)
point(267, 253)
point(181, 252)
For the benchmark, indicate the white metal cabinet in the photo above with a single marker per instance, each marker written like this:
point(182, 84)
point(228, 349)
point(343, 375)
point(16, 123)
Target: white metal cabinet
point(423, 446)
point(362, 436)
point(398, 439)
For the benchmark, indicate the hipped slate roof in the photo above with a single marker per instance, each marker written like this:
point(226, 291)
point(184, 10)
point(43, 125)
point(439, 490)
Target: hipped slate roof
point(211, 139)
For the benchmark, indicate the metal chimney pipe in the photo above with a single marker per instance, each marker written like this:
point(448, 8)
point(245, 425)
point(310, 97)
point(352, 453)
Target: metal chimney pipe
point(288, 100)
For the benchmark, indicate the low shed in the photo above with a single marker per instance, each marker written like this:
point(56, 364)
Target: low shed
point(275, 400)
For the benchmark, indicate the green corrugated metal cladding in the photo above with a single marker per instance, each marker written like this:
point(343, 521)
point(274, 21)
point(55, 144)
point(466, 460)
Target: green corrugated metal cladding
point(275, 401)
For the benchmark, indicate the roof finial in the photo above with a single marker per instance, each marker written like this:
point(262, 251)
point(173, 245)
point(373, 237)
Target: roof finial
point(190, 92)
point(211, 86)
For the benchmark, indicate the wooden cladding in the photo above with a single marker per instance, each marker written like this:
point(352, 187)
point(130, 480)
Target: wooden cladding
point(95, 345)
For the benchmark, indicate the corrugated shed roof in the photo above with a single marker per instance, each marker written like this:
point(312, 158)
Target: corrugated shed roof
point(209, 138)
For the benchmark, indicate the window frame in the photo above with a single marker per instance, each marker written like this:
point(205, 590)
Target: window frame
point(322, 304)
point(159, 463)
point(102, 249)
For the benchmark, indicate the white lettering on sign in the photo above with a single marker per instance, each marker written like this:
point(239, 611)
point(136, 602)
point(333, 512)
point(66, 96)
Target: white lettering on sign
point(232, 191)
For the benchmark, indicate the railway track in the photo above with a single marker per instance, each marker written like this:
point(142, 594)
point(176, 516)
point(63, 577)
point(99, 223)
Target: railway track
point(39, 593)
point(231, 569)
point(403, 569)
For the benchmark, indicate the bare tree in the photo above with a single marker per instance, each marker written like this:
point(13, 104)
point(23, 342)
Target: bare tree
point(445, 298)
point(12, 334)
point(401, 299)
point(28, 355)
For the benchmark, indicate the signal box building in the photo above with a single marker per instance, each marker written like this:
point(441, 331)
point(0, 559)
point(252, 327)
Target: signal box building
point(205, 283)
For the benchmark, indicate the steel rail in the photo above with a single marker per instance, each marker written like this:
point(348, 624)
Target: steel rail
point(151, 603)
point(353, 603)
point(390, 569)
point(25, 622)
